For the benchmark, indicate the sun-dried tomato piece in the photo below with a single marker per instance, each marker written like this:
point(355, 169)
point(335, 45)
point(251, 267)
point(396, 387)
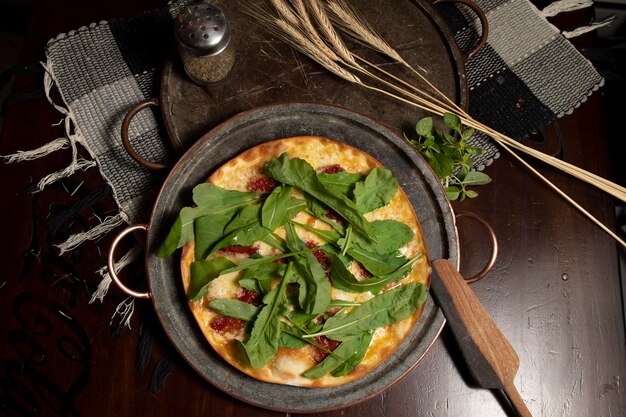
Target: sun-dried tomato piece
point(332, 169)
point(331, 214)
point(328, 344)
point(249, 297)
point(239, 249)
point(363, 273)
point(223, 324)
point(262, 184)
point(319, 255)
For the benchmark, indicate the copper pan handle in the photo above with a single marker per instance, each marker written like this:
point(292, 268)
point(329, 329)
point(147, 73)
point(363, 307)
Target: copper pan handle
point(494, 245)
point(483, 22)
point(111, 261)
point(126, 140)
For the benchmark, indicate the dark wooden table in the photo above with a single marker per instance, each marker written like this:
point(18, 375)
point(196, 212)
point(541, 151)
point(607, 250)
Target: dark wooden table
point(554, 291)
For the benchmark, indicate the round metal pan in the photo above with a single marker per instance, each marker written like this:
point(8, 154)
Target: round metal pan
point(227, 141)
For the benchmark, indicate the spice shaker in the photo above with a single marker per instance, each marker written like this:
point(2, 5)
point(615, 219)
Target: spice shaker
point(203, 37)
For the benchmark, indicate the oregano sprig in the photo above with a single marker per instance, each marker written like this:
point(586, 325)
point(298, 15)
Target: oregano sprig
point(450, 155)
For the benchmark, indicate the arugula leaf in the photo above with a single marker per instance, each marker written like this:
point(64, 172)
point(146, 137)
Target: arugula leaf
point(376, 190)
point(315, 289)
point(298, 173)
point(347, 349)
point(202, 273)
point(244, 229)
point(253, 262)
point(234, 308)
point(377, 264)
point(276, 208)
point(390, 235)
point(258, 277)
point(289, 339)
point(329, 235)
point(343, 303)
point(354, 360)
point(210, 200)
point(207, 194)
point(345, 281)
point(340, 182)
point(388, 308)
point(263, 343)
point(208, 230)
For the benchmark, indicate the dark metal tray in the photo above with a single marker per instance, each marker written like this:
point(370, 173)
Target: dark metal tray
point(268, 71)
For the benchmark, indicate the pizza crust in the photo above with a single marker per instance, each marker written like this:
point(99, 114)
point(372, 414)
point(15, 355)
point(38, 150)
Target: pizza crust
point(289, 363)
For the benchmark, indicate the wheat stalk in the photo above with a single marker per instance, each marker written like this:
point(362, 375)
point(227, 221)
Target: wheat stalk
point(329, 32)
point(330, 52)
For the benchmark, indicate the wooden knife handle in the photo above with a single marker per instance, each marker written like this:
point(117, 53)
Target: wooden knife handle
point(490, 357)
point(516, 400)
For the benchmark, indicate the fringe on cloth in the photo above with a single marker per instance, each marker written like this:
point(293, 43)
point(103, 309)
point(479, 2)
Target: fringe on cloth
point(21, 156)
point(123, 312)
point(105, 283)
point(563, 6)
point(94, 233)
point(72, 138)
point(589, 28)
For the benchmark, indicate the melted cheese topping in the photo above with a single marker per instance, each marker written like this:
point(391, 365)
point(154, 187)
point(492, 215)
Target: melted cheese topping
point(289, 363)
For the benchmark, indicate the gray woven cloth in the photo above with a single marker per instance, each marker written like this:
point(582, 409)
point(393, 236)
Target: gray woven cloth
point(101, 71)
point(524, 78)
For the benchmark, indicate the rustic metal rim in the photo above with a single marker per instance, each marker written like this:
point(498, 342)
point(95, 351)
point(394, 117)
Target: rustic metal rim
point(228, 140)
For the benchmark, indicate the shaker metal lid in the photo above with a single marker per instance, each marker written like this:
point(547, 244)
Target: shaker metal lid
point(202, 29)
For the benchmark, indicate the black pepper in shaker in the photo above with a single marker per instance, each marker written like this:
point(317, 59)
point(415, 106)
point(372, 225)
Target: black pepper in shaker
point(203, 37)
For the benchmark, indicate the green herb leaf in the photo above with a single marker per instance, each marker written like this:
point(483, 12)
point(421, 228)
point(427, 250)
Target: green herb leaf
point(442, 164)
point(354, 360)
point(476, 178)
point(209, 230)
point(244, 229)
point(390, 235)
point(340, 182)
point(331, 236)
point(376, 263)
point(276, 208)
point(263, 343)
point(452, 192)
point(315, 290)
point(254, 262)
point(289, 338)
point(452, 121)
point(424, 127)
point(376, 190)
point(258, 277)
point(298, 173)
point(234, 308)
point(210, 200)
point(347, 349)
point(345, 281)
point(202, 273)
point(388, 308)
point(451, 159)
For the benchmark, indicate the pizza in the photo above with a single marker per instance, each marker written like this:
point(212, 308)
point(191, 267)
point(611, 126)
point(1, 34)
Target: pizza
point(303, 262)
